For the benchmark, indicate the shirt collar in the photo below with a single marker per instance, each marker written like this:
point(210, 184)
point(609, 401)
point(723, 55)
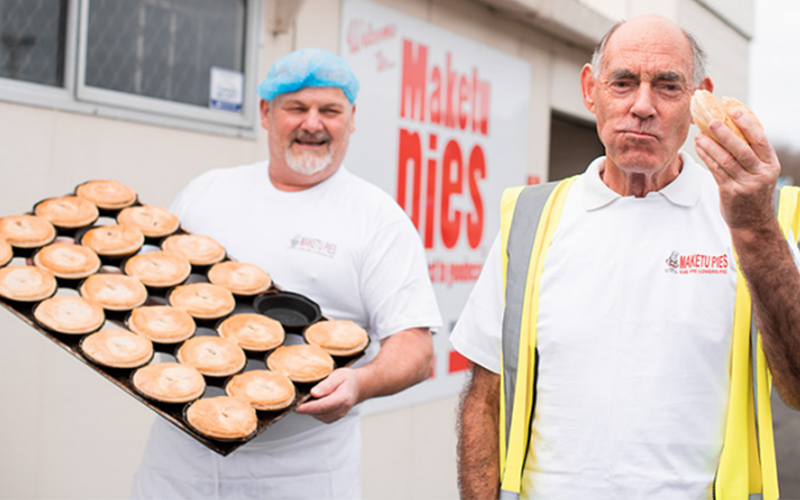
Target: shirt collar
point(684, 191)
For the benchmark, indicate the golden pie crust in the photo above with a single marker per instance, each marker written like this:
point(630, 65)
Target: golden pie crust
point(115, 240)
point(67, 260)
point(212, 355)
point(199, 249)
point(203, 300)
point(71, 315)
point(115, 292)
point(240, 278)
point(263, 389)
point(222, 417)
point(68, 211)
point(162, 324)
point(6, 252)
point(338, 337)
point(154, 222)
point(26, 283)
point(26, 231)
point(301, 363)
point(254, 332)
point(117, 348)
point(158, 269)
point(106, 194)
point(169, 382)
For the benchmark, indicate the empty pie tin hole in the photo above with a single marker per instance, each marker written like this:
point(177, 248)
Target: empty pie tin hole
point(292, 310)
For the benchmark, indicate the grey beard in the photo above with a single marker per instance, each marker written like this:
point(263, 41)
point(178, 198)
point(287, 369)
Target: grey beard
point(308, 164)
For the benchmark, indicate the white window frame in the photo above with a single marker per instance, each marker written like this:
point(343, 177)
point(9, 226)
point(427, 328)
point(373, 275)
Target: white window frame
point(78, 97)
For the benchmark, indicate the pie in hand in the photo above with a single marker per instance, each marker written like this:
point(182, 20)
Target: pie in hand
point(115, 240)
point(68, 212)
point(301, 362)
point(158, 269)
point(254, 332)
point(169, 382)
point(154, 222)
point(109, 195)
point(212, 355)
point(263, 389)
point(26, 283)
point(117, 348)
point(203, 300)
point(67, 260)
point(200, 250)
point(222, 417)
point(70, 315)
point(162, 324)
point(115, 292)
point(338, 337)
point(26, 231)
point(240, 278)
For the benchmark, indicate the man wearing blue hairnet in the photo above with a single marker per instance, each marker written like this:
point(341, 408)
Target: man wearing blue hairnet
point(322, 232)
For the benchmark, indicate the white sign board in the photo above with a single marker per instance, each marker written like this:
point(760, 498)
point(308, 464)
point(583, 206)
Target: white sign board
point(442, 125)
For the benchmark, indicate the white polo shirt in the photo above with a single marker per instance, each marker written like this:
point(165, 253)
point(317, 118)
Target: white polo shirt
point(634, 338)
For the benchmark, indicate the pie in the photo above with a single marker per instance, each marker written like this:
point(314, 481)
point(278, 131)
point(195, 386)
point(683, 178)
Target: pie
point(203, 300)
point(222, 417)
point(338, 337)
point(154, 222)
point(263, 389)
point(115, 240)
point(301, 362)
point(240, 278)
point(212, 355)
point(254, 332)
point(26, 231)
point(117, 348)
point(109, 195)
point(6, 252)
point(158, 269)
point(71, 315)
point(169, 382)
point(26, 283)
point(200, 250)
point(68, 211)
point(162, 324)
point(67, 260)
point(115, 292)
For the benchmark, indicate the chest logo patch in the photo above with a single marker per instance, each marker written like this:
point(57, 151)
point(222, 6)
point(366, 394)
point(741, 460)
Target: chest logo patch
point(313, 245)
point(697, 264)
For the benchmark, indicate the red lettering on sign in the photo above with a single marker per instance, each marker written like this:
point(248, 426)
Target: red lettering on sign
point(410, 151)
point(450, 224)
point(477, 170)
point(412, 89)
point(457, 363)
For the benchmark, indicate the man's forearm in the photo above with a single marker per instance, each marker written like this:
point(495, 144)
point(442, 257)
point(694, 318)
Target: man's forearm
point(478, 448)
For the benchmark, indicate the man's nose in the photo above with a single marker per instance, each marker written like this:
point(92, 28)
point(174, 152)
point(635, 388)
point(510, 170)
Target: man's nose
point(644, 102)
point(313, 121)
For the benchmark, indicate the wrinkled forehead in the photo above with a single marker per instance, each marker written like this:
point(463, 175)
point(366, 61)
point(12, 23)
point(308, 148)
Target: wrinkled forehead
point(648, 49)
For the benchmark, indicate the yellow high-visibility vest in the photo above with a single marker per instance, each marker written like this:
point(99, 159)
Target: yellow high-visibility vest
point(529, 217)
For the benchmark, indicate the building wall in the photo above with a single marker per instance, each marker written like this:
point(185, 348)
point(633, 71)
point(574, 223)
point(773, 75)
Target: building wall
point(67, 433)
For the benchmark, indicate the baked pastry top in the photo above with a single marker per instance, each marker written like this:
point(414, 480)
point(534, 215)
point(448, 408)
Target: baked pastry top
point(26, 231)
point(115, 292)
point(212, 355)
point(68, 211)
point(263, 389)
point(115, 240)
point(153, 221)
point(67, 260)
point(222, 417)
point(254, 332)
point(203, 300)
point(239, 277)
point(162, 324)
point(338, 337)
point(26, 283)
point(72, 315)
point(110, 195)
point(6, 252)
point(117, 348)
point(158, 269)
point(169, 382)
point(301, 362)
point(200, 250)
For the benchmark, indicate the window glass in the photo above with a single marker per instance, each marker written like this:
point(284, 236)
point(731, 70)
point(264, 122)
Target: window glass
point(32, 34)
point(164, 48)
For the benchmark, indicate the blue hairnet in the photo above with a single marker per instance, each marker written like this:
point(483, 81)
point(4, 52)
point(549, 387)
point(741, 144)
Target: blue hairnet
point(308, 68)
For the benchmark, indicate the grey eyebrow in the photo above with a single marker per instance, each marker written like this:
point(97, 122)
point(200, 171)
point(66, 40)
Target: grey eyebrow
point(623, 74)
point(669, 76)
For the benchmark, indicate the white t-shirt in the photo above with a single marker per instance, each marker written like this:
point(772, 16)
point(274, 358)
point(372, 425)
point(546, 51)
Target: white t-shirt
point(343, 243)
point(634, 339)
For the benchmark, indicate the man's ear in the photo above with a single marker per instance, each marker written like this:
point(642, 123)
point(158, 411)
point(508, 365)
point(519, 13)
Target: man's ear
point(353, 120)
point(265, 114)
point(587, 87)
point(706, 84)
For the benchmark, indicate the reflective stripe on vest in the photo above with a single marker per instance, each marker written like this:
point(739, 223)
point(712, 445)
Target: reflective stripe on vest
point(529, 217)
